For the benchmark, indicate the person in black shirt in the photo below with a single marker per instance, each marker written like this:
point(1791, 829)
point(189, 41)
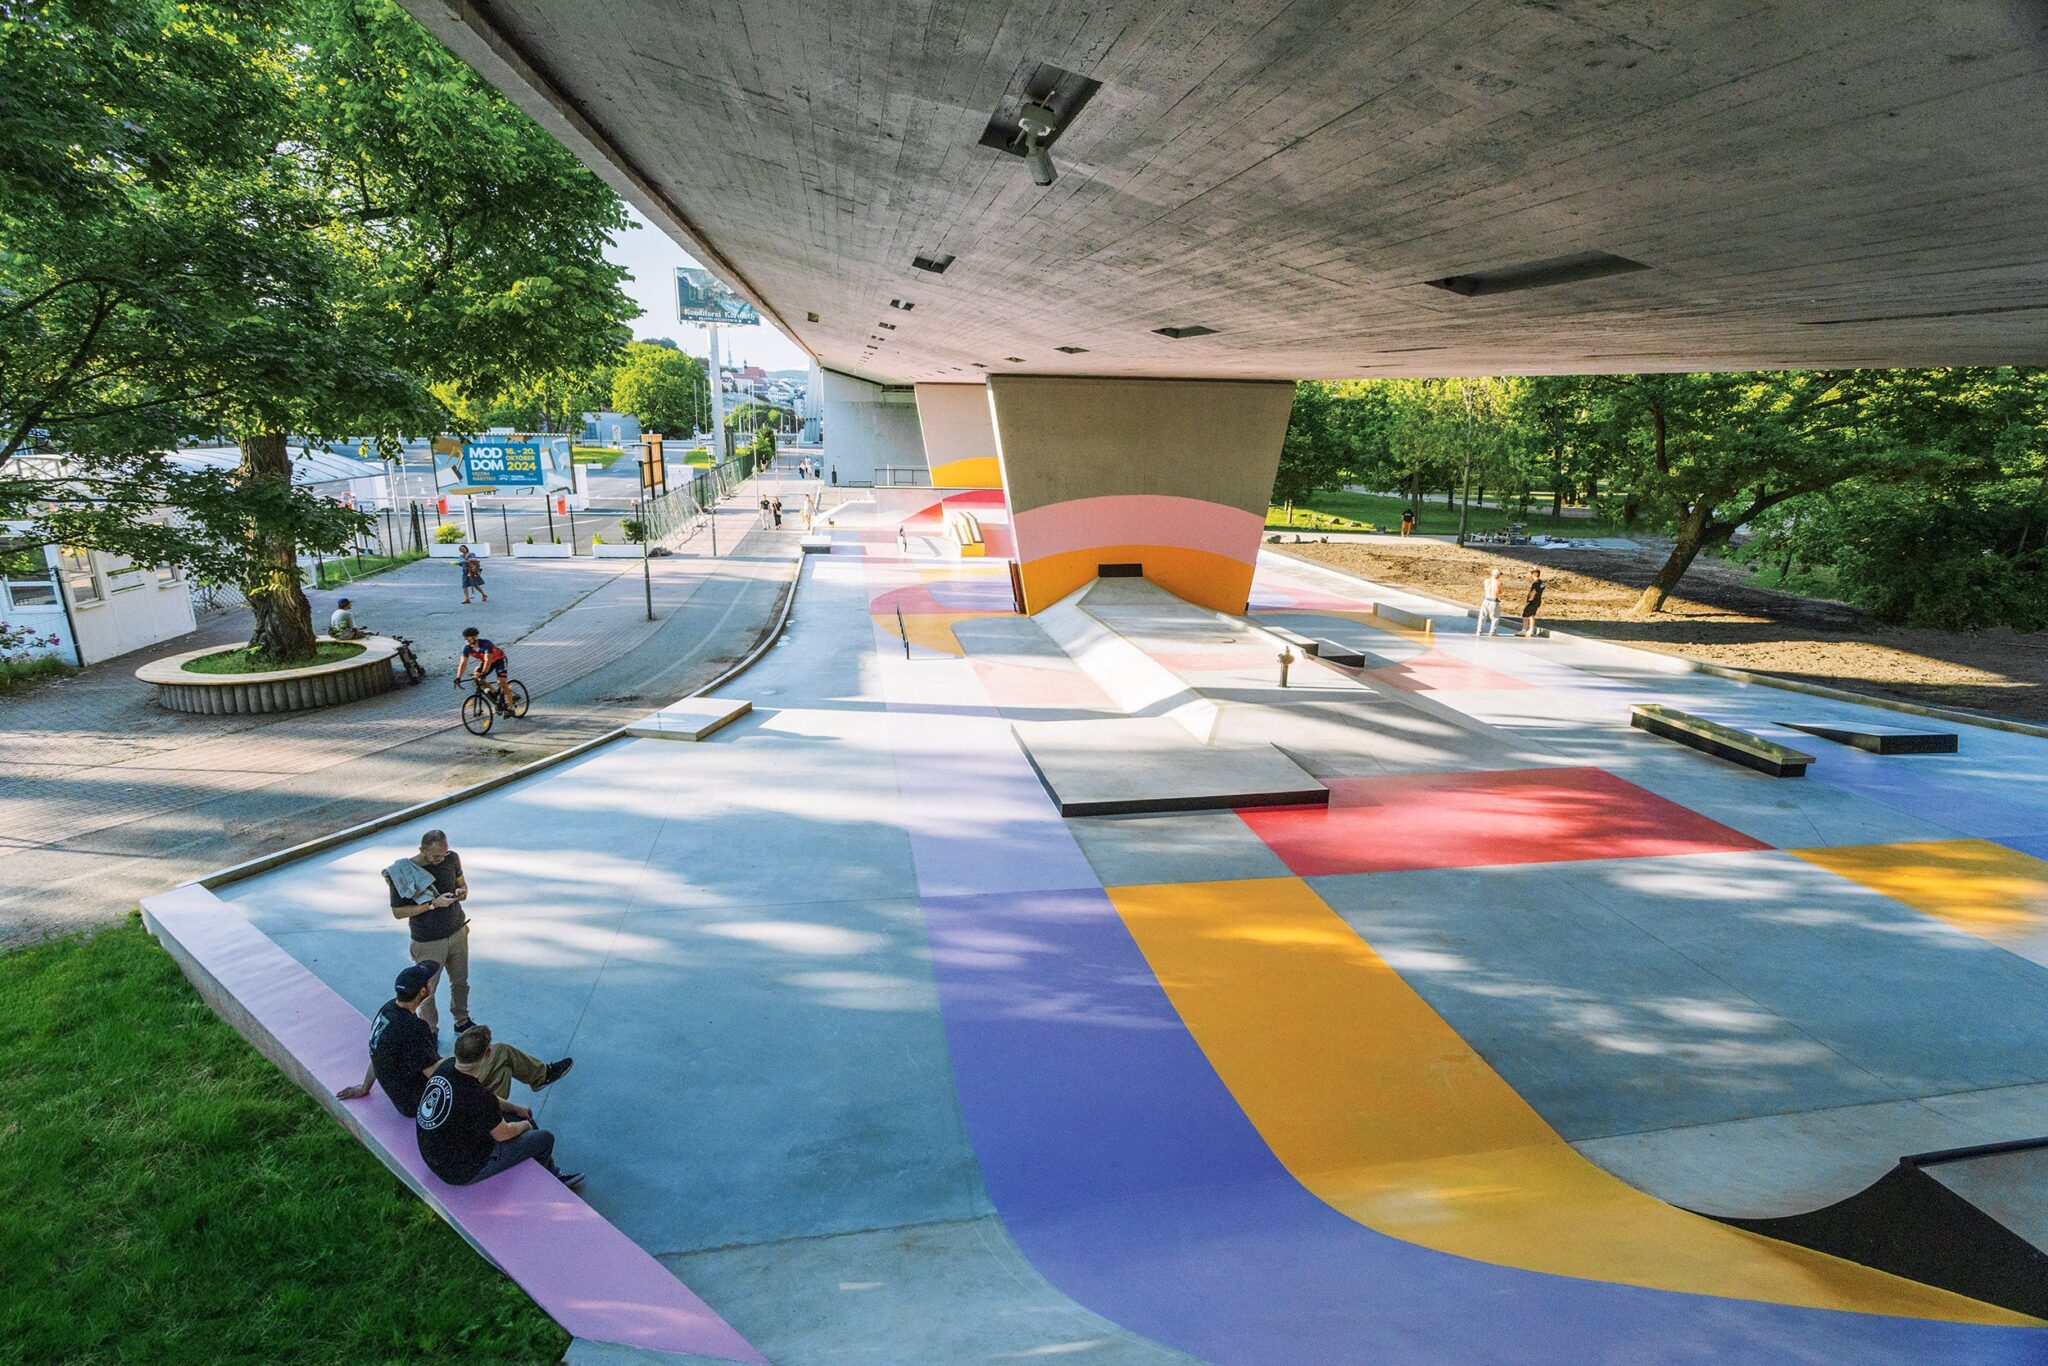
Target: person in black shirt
point(467, 1135)
point(1532, 604)
point(440, 929)
point(403, 1050)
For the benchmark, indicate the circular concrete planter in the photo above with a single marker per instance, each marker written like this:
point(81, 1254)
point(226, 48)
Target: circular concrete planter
point(319, 685)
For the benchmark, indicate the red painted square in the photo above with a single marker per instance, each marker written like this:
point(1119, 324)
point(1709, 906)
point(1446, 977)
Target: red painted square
point(1472, 820)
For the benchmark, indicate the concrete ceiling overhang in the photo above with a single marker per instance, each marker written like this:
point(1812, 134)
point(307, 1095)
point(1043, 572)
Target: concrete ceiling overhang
point(1844, 185)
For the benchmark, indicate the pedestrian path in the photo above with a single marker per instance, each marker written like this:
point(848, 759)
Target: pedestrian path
point(83, 762)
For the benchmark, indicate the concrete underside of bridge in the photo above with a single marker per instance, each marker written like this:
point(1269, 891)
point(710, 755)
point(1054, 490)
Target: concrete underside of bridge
point(1806, 185)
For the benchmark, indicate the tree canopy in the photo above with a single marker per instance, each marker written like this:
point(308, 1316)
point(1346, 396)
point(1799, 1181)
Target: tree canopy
point(1853, 469)
point(261, 220)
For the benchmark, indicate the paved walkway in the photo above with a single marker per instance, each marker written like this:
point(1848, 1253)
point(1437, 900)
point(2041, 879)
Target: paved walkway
point(105, 797)
point(940, 1077)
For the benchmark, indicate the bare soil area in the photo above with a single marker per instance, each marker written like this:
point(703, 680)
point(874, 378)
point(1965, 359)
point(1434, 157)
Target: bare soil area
point(1721, 616)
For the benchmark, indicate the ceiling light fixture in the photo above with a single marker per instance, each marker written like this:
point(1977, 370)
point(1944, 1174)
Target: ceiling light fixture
point(1035, 121)
point(903, 304)
point(935, 262)
point(1049, 102)
point(1071, 350)
point(1177, 333)
point(1556, 270)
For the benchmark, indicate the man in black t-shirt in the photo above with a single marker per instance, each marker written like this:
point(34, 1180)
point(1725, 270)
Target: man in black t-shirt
point(440, 929)
point(467, 1135)
point(403, 1050)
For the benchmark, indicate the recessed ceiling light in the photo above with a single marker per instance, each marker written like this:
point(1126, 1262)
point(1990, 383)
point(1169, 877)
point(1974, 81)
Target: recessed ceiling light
point(810, 317)
point(886, 327)
point(1072, 350)
point(1557, 270)
point(903, 304)
point(935, 262)
point(1014, 360)
point(1177, 333)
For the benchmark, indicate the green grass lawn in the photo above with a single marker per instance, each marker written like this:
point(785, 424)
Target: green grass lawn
point(171, 1197)
point(333, 573)
point(601, 456)
point(247, 661)
point(1335, 510)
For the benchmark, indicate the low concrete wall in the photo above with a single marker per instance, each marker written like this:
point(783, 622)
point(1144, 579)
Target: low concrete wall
point(322, 685)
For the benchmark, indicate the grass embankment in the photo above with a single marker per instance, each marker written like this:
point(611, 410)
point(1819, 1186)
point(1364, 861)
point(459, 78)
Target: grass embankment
point(1341, 511)
point(333, 573)
point(21, 673)
point(247, 661)
point(601, 456)
point(171, 1197)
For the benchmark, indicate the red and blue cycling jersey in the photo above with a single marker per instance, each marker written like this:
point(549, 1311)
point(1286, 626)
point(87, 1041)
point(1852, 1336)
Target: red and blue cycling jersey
point(488, 656)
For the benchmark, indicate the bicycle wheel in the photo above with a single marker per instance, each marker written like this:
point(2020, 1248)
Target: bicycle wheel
point(476, 714)
point(515, 696)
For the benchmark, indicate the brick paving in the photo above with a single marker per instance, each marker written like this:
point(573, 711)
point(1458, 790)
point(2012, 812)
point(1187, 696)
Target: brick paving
point(104, 796)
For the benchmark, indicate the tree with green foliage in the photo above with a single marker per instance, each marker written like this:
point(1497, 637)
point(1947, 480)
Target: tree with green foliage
point(1312, 455)
point(265, 220)
point(663, 387)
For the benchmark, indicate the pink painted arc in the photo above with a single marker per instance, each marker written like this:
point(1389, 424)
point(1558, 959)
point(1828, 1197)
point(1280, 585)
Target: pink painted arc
point(1138, 518)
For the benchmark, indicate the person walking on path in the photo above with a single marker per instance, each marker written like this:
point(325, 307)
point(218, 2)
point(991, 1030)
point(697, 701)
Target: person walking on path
point(427, 891)
point(467, 1134)
point(776, 508)
point(1532, 604)
point(1407, 521)
point(764, 510)
point(1489, 605)
point(472, 573)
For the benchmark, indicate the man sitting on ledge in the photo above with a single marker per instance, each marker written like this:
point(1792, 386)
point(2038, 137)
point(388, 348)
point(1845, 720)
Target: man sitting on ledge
point(404, 1050)
point(467, 1134)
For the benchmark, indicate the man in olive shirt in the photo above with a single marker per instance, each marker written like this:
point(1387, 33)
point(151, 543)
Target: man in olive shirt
point(440, 930)
point(467, 1135)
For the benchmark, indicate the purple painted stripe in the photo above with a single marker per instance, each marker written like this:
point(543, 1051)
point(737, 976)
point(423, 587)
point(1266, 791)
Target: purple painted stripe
point(584, 1273)
point(1133, 1182)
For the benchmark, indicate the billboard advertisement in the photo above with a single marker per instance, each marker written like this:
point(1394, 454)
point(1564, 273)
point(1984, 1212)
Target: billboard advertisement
point(502, 461)
point(700, 298)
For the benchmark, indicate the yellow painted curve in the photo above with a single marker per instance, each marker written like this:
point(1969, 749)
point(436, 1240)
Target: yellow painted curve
point(1991, 891)
point(975, 472)
point(1384, 1112)
point(1203, 577)
point(932, 630)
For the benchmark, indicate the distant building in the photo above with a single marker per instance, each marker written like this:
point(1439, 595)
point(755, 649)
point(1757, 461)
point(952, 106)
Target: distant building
point(95, 604)
point(610, 429)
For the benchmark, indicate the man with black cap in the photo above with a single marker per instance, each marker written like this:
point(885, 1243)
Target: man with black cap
point(404, 1050)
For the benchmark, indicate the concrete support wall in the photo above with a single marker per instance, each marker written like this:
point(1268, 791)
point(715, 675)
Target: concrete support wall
point(869, 426)
point(959, 436)
point(1170, 475)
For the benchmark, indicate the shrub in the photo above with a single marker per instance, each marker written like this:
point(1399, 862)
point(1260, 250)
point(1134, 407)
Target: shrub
point(634, 528)
point(529, 538)
point(448, 534)
point(597, 540)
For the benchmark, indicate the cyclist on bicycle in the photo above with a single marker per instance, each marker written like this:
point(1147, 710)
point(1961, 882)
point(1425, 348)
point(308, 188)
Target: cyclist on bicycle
point(489, 659)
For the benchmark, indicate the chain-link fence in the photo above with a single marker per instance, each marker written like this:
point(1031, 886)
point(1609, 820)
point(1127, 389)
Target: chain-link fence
point(677, 515)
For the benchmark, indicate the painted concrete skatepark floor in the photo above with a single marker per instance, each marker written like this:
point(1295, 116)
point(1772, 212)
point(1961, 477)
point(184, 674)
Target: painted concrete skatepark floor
point(892, 1064)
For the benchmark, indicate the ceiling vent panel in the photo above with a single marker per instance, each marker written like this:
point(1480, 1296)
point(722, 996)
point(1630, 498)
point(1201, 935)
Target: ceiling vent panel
point(1179, 332)
point(935, 262)
point(1558, 270)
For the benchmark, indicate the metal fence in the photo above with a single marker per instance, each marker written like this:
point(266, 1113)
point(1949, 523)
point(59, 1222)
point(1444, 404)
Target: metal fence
point(677, 515)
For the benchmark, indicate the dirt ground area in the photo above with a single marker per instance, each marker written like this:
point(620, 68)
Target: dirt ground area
point(1721, 616)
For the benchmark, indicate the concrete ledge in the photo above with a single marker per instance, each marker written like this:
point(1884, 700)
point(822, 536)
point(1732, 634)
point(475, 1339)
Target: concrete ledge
point(616, 552)
point(1723, 742)
point(543, 552)
point(318, 685)
point(588, 1277)
point(1129, 766)
point(1880, 739)
point(816, 545)
point(438, 551)
point(693, 718)
point(1401, 616)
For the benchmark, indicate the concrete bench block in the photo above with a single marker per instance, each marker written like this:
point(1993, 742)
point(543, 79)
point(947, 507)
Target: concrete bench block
point(1878, 739)
point(1723, 742)
point(693, 718)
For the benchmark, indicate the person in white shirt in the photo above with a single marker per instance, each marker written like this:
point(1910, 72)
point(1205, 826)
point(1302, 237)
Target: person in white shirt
point(1489, 605)
point(342, 625)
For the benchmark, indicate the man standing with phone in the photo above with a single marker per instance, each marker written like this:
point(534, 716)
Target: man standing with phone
point(427, 891)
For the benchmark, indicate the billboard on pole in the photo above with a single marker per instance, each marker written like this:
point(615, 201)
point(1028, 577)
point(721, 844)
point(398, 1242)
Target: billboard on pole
point(700, 298)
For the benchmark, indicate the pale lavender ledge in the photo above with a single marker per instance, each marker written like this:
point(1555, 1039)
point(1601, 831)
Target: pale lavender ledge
point(589, 1277)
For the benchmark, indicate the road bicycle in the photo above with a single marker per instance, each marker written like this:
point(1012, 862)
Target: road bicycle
point(480, 709)
point(415, 672)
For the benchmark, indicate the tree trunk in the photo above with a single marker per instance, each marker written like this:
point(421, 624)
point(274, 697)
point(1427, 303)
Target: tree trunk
point(1415, 489)
point(284, 619)
point(1692, 538)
